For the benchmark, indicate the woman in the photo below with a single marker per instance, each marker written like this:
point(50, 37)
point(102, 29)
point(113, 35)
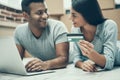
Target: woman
point(100, 36)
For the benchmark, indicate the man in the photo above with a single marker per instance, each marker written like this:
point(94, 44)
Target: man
point(43, 38)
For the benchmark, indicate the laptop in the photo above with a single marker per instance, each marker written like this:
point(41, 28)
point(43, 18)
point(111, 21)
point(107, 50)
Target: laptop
point(10, 60)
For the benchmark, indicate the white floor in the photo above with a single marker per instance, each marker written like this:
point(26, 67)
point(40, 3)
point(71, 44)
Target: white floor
point(69, 73)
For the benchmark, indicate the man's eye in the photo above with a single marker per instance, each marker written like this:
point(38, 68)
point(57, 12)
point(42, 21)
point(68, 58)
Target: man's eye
point(46, 11)
point(39, 13)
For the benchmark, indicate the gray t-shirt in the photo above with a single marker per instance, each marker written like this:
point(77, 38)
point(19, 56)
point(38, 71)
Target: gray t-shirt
point(44, 47)
point(104, 42)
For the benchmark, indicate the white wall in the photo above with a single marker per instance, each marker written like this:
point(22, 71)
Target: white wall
point(16, 4)
point(67, 4)
point(117, 2)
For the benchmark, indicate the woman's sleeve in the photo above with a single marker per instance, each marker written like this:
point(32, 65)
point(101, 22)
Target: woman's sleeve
point(77, 53)
point(76, 50)
point(109, 46)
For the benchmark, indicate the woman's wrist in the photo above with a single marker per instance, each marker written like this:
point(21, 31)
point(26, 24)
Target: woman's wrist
point(78, 64)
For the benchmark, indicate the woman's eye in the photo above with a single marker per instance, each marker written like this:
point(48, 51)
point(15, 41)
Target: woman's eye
point(74, 15)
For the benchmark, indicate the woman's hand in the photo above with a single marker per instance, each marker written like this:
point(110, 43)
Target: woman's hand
point(86, 47)
point(37, 65)
point(88, 66)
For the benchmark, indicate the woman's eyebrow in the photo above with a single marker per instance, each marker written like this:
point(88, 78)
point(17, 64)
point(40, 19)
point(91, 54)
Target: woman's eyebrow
point(73, 13)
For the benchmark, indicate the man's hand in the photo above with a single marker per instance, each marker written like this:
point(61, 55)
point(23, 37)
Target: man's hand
point(88, 66)
point(37, 65)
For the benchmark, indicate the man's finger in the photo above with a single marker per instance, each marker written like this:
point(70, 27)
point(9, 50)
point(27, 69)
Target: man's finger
point(32, 62)
point(38, 68)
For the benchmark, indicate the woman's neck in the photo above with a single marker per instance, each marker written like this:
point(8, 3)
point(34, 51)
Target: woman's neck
point(89, 32)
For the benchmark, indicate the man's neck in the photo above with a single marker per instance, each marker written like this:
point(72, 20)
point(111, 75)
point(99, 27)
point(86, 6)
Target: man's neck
point(36, 32)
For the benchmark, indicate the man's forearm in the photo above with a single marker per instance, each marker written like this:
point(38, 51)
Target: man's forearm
point(59, 62)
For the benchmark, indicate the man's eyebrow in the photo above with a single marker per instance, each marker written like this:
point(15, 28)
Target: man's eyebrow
point(42, 9)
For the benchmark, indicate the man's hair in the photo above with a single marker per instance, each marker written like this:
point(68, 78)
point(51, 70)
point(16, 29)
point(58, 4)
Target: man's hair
point(90, 10)
point(25, 4)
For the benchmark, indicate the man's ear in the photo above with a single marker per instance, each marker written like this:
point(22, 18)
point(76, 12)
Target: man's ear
point(26, 15)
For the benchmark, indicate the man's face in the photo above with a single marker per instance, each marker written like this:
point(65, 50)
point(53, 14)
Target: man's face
point(38, 15)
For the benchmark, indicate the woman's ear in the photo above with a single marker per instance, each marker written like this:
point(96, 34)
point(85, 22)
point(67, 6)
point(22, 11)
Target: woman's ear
point(26, 16)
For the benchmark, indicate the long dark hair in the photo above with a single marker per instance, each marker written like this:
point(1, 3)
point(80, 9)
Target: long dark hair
point(90, 10)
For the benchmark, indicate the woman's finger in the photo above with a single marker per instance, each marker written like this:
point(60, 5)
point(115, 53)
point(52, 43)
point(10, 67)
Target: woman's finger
point(87, 43)
point(84, 50)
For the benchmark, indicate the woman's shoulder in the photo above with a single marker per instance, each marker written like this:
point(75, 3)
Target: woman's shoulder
point(109, 25)
point(110, 22)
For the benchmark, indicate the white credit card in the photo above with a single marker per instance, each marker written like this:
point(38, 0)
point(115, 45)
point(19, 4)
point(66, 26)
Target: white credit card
point(75, 37)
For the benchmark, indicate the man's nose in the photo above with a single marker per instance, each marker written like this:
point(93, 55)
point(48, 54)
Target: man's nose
point(45, 15)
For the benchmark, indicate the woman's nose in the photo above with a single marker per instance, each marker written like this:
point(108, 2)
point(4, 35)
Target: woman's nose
point(70, 18)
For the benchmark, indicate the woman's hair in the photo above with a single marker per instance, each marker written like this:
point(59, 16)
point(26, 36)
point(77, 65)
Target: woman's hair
point(90, 10)
point(25, 5)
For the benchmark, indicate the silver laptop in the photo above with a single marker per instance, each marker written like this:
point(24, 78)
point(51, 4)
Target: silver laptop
point(10, 60)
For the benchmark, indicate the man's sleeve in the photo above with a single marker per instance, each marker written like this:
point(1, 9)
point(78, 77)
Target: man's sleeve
point(60, 33)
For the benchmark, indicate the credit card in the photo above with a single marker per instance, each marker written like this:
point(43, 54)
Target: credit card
point(75, 37)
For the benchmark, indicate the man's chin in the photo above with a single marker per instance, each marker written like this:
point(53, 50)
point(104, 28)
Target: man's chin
point(42, 26)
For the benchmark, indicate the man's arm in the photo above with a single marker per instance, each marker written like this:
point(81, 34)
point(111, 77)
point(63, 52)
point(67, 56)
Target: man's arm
point(62, 53)
point(61, 60)
point(21, 50)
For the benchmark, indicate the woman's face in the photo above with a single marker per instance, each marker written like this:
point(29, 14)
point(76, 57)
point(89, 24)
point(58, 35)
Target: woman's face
point(77, 19)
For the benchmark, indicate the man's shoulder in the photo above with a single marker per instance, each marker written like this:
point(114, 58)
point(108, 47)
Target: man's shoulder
point(22, 26)
point(21, 29)
point(75, 29)
point(54, 22)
